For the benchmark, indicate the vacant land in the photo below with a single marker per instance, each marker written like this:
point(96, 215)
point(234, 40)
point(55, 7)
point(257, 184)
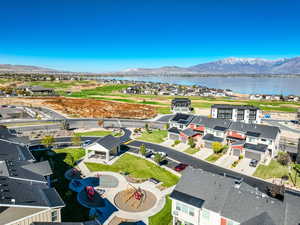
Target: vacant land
point(77, 107)
point(155, 136)
point(138, 168)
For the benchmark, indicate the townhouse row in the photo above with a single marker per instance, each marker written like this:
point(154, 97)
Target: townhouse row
point(255, 141)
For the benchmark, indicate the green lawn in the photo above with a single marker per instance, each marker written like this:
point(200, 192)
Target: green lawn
point(276, 170)
point(273, 170)
point(191, 150)
point(99, 133)
point(138, 168)
point(155, 136)
point(164, 216)
point(163, 110)
point(104, 90)
point(58, 84)
point(213, 157)
point(60, 163)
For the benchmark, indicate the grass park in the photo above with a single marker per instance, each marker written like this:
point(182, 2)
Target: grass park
point(138, 168)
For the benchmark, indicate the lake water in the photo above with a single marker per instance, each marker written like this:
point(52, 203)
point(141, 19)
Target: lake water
point(245, 85)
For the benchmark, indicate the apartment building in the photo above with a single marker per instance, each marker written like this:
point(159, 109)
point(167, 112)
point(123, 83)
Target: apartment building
point(241, 113)
point(181, 105)
point(254, 141)
point(203, 198)
point(25, 192)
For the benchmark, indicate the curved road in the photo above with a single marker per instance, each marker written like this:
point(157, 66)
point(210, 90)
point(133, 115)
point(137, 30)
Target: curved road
point(183, 158)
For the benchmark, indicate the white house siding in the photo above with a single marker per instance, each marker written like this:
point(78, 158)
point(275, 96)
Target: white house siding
point(183, 216)
point(44, 216)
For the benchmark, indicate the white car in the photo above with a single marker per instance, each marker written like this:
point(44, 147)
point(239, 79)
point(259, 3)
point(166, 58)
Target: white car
point(163, 154)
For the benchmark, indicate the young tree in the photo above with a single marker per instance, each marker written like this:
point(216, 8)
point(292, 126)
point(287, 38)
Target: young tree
point(297, 172)
point(48, 141)
point(283, 158)
point(217, 147)
point(143, 150)
point(158, 158)
point(76, 140)
point(65, 125)
point(192, 142)
point(147, 127)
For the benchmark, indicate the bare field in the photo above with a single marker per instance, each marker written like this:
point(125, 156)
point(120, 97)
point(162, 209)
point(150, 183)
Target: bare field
point(90, 108)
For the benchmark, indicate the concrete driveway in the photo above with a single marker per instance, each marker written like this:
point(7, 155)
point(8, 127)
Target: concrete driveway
point(204, 153)
point(243, 167)
point(226, 161)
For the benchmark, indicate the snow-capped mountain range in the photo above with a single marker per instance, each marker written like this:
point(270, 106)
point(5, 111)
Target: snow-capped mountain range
point(229, 66)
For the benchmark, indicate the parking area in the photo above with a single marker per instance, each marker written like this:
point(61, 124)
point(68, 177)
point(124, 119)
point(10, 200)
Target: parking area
point(243, 167)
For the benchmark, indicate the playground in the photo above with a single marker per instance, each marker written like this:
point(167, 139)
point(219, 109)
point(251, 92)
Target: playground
point(110, 194)
point(135, 200)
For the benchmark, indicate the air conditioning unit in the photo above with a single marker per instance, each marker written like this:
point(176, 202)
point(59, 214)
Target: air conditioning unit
point(175, 213)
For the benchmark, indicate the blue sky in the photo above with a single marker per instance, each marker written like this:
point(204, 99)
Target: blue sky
point(106, 35)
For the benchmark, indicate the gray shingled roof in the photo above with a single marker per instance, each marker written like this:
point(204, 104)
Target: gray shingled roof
point(245, 204)
point(262, 219)
point(265, 131)
point(109, 142)
point(212, 138)
point(56, 223)
point(258, 147)
point(174, 130)
point(42, 168)
point(189, 132)
point(12, 151)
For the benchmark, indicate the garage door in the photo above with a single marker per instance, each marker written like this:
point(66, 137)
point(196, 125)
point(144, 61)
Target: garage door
point(252, 155)
point(236, 152)
point(173, 136)
point(207, 144)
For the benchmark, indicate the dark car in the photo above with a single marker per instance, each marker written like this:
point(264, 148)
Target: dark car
point(180, 167)
point(153, 180)
point(149, 153)
point(253, 163)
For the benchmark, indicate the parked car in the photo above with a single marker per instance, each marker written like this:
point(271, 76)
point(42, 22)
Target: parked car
point(86, 143)
point(180, 167)
point(294, 121)
point(149, 153)
point(253, 163)
point(163, 154)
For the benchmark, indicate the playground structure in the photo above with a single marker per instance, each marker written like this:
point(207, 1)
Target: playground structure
point(90, 192)
point(134, 199)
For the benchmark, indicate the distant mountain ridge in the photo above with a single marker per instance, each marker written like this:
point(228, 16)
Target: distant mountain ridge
point(24, 69)
point(229, 66)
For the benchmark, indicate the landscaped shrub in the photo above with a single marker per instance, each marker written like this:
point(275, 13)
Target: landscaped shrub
point(217, 147)
point(176, 142)
point(283, 158)
point(241, 157)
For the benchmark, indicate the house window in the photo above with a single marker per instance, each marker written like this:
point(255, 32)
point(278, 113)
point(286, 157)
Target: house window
point(205, 214)
point(54, 216)
point(191, 212)
point(184, 209)
point(178, 206)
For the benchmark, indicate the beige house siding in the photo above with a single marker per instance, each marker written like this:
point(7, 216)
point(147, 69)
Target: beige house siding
point(44, 216)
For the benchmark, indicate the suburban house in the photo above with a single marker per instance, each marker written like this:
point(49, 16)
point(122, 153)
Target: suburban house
point(203, 198)
point(37, 90)
point(181, 105)
point(25, 192)
point(103, 149)
point(242, 113)
point(254, 141)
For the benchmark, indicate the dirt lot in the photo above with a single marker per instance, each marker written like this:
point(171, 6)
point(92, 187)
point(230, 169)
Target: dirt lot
point(87, 107)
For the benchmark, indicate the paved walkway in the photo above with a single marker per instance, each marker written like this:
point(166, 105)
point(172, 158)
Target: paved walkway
point(123, 185)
